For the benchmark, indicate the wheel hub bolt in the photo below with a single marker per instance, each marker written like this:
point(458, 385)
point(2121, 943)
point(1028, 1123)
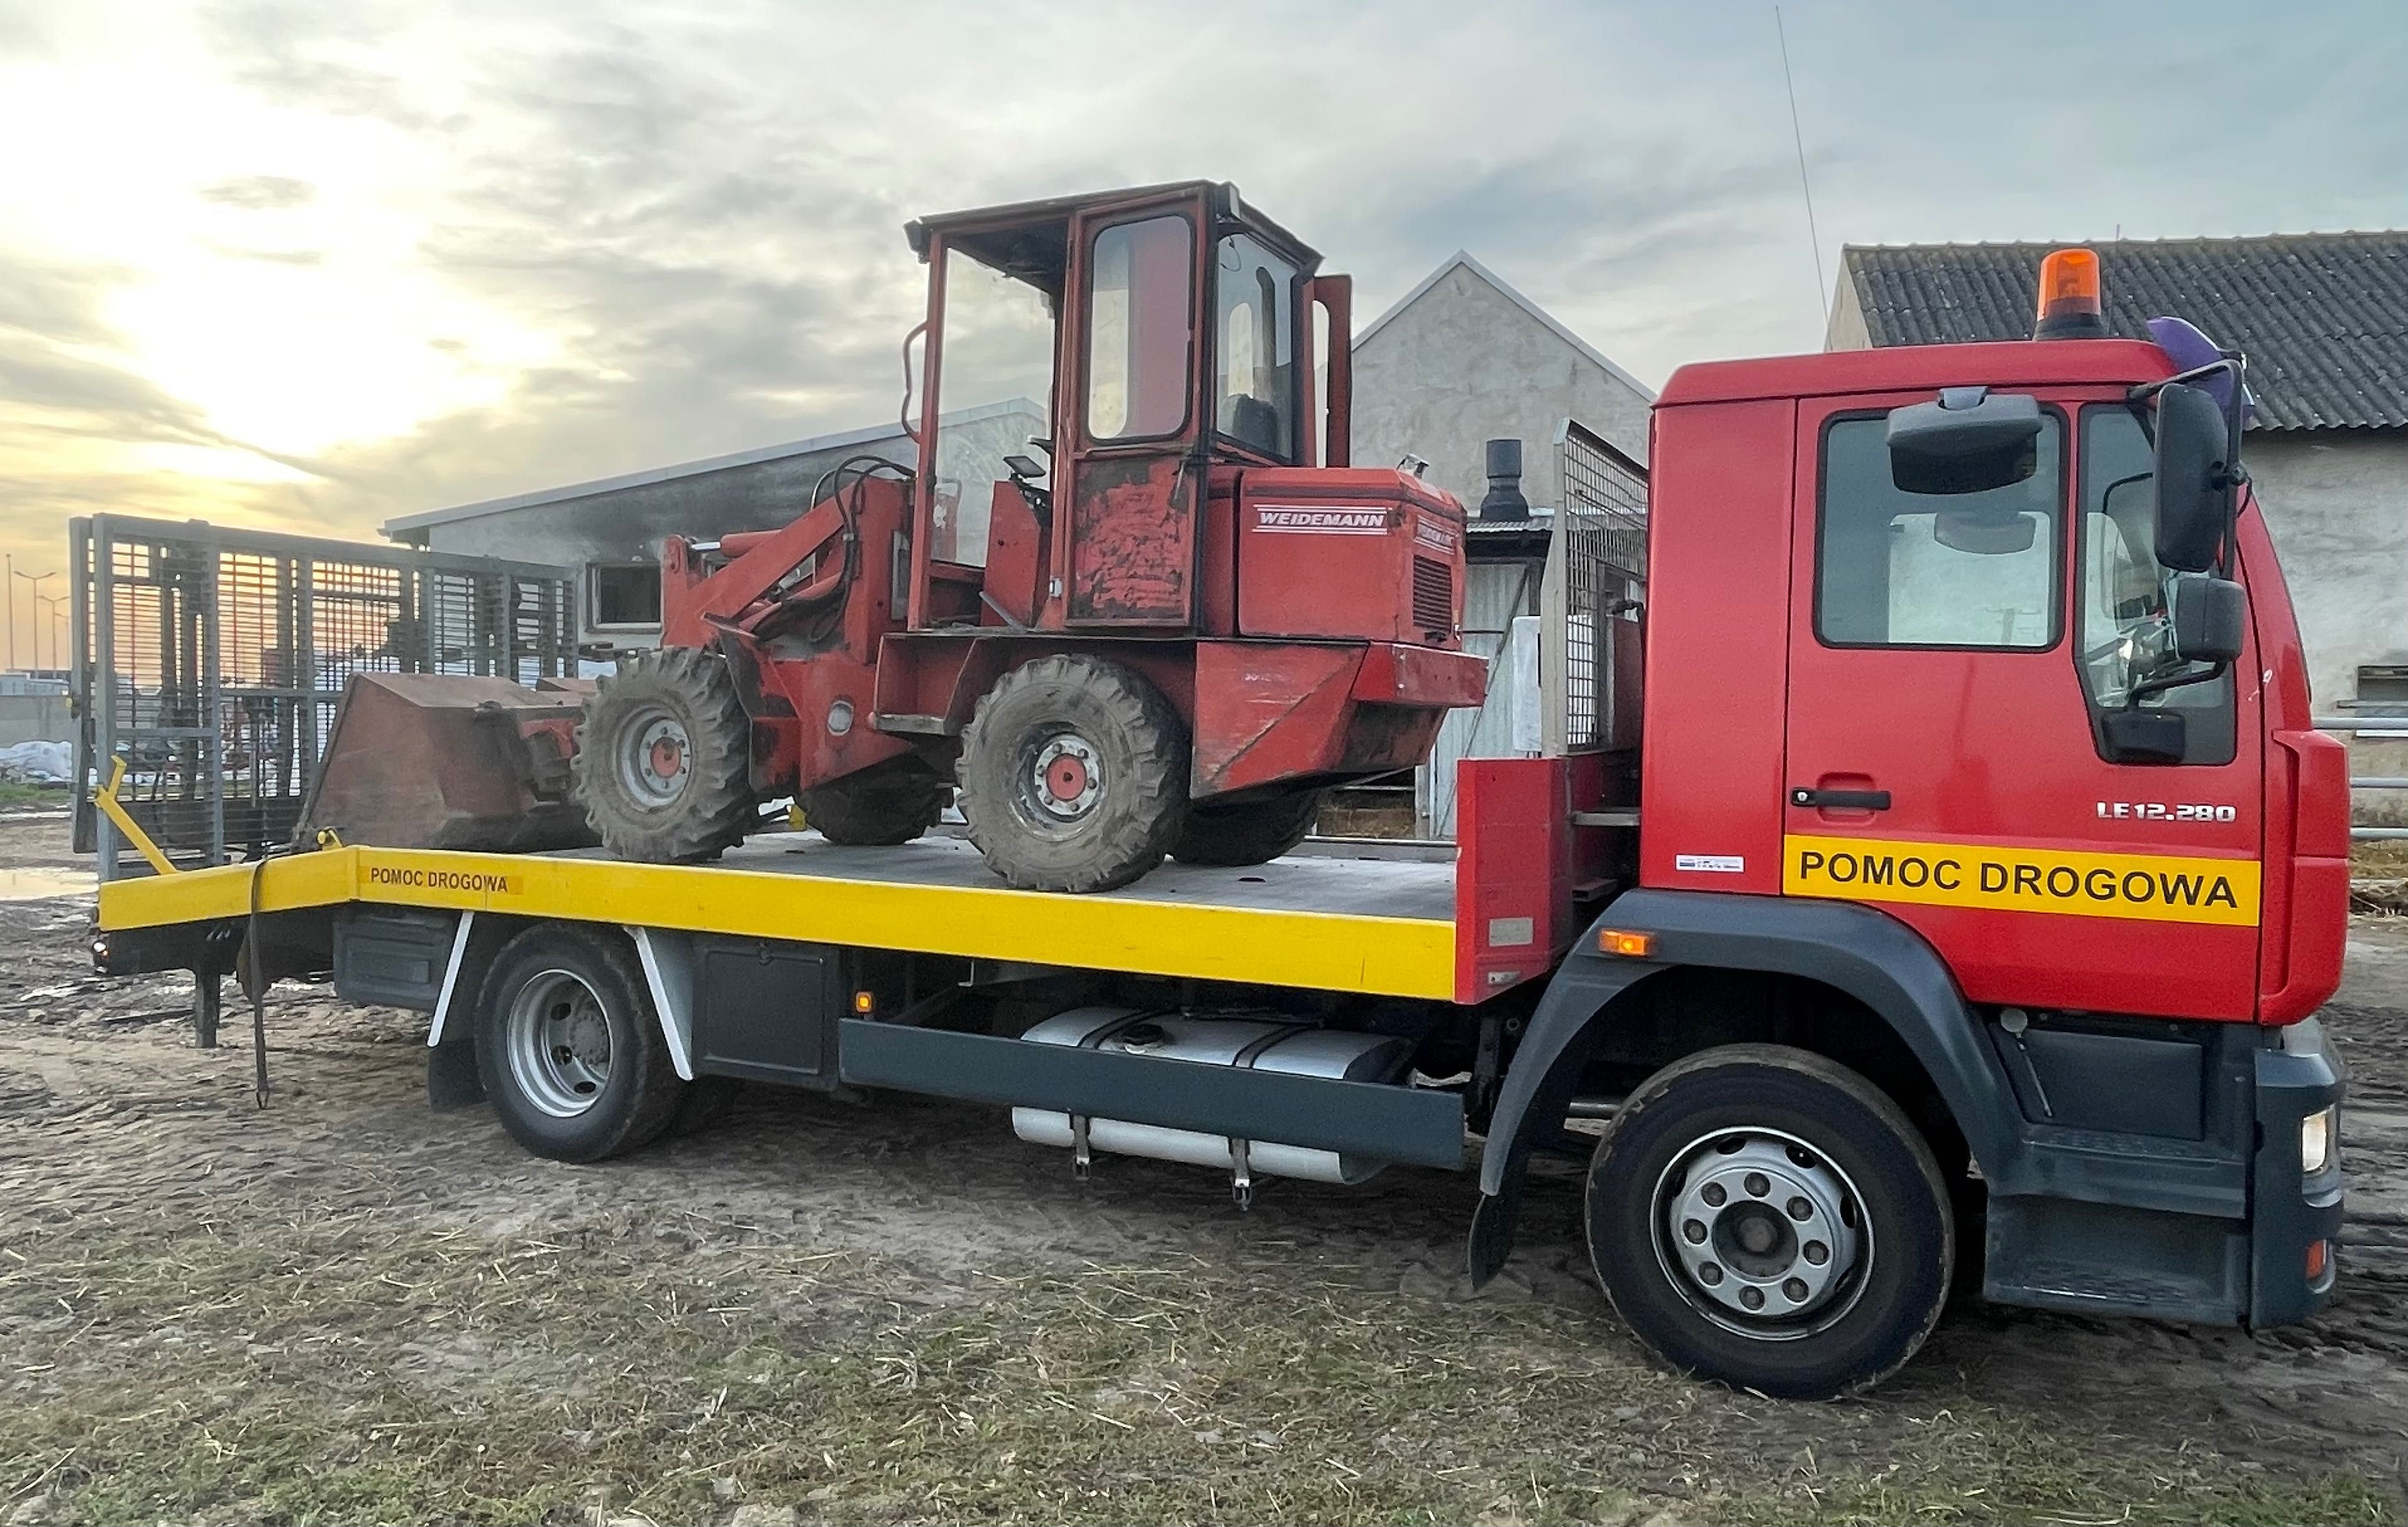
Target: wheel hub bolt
point(1695, 1230)
point(1758, 1185)
point(1751, 1298)
point(1818, 1253)
point(1794, 1290)
point(1710, 1274)
point(1799, 1208)
point(1714, 1194)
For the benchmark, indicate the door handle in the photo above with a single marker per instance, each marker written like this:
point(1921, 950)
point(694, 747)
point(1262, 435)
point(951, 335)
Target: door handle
point(1847, 800)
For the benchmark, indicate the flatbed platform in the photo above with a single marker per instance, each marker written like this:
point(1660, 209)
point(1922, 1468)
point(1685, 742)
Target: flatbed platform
point(1374, 926)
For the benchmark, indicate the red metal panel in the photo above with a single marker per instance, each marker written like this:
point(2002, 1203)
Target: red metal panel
point(1132, 542)
point(1335, 553)
point(1513, 873)
point(1267, 712)
point(1395, 675)
point(1925, 367)
point(2304, 916)
point(1015, 564)
point(1716, 690)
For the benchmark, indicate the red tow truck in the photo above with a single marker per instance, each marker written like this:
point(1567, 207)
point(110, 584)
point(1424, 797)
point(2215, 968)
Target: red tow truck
point(1954, 888)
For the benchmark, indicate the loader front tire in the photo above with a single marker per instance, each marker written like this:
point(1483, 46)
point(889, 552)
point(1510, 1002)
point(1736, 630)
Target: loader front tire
point(1074, 775)
point(663, 759)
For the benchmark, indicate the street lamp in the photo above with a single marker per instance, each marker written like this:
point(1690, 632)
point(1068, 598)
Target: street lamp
point(54, 626)
point(36, 579)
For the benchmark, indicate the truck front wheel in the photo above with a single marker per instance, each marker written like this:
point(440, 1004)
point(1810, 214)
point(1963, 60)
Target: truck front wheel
point(1765, 1217)
point(568, 1049)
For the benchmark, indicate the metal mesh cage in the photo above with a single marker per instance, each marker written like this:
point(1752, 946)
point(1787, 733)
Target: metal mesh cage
point(213, 661)
point(1596, 571)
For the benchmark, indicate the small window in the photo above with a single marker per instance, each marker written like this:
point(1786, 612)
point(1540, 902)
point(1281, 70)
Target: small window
point(1900, 569)
point(2383, 690)
point(625, 595)
point(1256, 339)
point(1139, 341)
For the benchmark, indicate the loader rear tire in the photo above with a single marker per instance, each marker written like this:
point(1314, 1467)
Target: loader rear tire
point(888, 804)
point(1245, 832)
point(1074, 775)
point(663, 759)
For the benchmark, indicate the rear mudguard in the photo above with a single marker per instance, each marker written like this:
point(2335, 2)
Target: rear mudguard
point(1856, 950)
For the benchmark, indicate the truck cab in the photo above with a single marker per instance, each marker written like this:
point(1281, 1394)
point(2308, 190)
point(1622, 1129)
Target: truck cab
point(1942, 737)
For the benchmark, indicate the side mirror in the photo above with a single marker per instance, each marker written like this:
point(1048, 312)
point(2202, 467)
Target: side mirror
point(1971, 441)
point(2193, 479)
point(2209, 617)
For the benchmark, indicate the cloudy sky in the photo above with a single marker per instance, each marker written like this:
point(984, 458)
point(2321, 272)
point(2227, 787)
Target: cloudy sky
point(310, 264)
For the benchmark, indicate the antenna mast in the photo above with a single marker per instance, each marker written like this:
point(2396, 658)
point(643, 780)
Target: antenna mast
point(1822, 288)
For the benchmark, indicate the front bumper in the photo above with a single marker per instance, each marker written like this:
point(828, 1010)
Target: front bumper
point(2291, 1212)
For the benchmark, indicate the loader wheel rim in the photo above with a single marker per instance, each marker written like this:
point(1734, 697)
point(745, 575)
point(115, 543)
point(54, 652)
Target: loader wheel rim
point(557, 1040)
point(1762, 1234)
point(652, 766)
point(1064, 781)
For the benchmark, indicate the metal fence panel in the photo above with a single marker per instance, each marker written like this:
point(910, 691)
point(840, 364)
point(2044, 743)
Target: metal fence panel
point(1592, 595)
point(212, 660)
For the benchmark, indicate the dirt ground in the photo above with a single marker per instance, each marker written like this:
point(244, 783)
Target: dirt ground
point(347, 1307)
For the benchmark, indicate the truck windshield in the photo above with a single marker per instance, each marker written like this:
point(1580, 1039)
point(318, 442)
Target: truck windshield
point(1254, 348)
point(2124, 624)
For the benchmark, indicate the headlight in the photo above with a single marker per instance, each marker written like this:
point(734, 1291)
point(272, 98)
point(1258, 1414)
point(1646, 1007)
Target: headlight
point(2318, 1133)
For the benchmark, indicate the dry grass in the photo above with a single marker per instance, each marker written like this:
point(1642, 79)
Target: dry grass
point(356, 1369)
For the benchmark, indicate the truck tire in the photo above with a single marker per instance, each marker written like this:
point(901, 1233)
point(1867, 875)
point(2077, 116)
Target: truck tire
point(1074, 775)
point(663, 759)
point(1245, 832)
point(886, 803)
point(1765, 1217)
point(569, 1049)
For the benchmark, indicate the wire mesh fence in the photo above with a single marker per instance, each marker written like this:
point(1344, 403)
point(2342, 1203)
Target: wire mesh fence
point(1590, 602)
point(212, 661)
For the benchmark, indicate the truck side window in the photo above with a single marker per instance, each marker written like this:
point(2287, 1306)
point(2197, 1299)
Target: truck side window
point(1895, 568)
point(1138, 329)
point(2122, 628)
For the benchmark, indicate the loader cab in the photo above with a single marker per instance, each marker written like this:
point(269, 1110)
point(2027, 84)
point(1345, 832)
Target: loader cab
point(1089, 362)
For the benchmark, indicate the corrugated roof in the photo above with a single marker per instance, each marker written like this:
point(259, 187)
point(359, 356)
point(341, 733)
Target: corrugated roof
point(2322, 317)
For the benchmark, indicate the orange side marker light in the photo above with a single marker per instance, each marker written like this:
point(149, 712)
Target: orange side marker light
point(1630, 945)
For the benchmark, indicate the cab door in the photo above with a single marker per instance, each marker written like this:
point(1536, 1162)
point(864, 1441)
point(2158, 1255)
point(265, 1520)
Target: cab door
point(1951, 658)
point(1132, 490)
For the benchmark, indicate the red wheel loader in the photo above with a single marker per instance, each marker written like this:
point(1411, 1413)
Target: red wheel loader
point(1166, 627)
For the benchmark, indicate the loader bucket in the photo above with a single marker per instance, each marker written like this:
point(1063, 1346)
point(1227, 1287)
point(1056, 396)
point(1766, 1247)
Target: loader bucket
point(448, 761)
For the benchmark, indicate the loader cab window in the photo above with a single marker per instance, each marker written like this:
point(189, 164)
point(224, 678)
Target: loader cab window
point(995, 386)
point(1895, 568)
point(1254, 400)
point(1140, 281)
point(2122, 627)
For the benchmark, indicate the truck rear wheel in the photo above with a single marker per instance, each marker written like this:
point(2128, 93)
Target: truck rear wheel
point(1246, 832)
point(1074, 775)
point(1766, 1217)
point(888, 804)
point(663, 759)
point(568, 1046)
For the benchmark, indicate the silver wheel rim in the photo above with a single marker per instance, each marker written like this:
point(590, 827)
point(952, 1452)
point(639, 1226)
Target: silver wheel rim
point(657, 758)
point(1762, 1234)
point(1064, 780)
point(557, 1038)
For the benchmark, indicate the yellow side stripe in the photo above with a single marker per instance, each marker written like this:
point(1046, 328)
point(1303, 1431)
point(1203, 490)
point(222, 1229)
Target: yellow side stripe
point(1406, 957)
